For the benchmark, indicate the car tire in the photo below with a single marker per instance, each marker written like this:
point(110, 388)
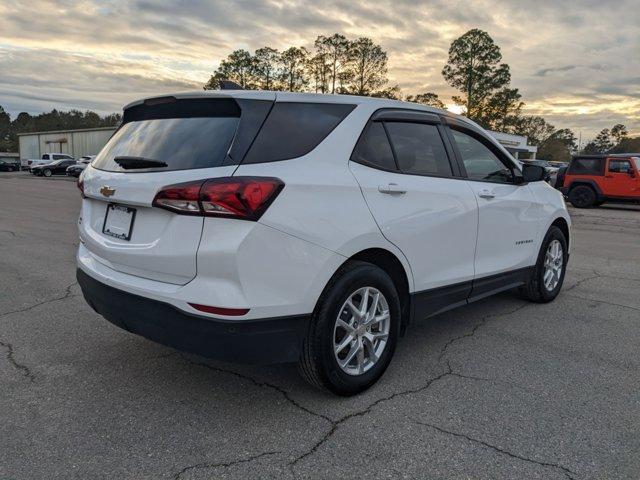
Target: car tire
point(46, 172)
point(582, 196)
point(321, 358)
point(538, 289)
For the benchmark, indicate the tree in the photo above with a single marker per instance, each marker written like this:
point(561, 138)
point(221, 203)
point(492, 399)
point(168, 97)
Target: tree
point(501, 110)
point(535, 128)
point(237, 67)
point(265, 68)
point(319, 70)
point(474, 68)
point(294, 69)
point(427, 98)
point(627, 145)
point(5, 130)
point(393, 93)
point(366, 66)
point(619, 133)
point(335, 51)
point(601, 144)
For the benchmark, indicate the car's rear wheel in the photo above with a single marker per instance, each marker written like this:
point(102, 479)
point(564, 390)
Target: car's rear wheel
point(353, 332)
point(582, 196)
point(547, 276)
point(46, 172)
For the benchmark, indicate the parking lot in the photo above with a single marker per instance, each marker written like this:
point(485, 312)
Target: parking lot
point(499, 389)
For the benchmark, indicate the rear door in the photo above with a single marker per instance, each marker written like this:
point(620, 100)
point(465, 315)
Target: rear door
point(620, 179)
point(410, 185)
point(509, 214)
point(161, 142)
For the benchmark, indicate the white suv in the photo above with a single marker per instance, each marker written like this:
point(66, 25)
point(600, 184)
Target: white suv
point(280, 227)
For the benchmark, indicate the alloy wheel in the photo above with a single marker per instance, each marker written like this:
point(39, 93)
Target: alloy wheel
point(361, 330)
point(553, 264)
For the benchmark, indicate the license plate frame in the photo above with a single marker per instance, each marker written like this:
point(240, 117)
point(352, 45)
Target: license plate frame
point(118, 229)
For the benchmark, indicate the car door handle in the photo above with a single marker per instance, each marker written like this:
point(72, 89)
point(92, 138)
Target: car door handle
point(392, 189)
point(486, 193)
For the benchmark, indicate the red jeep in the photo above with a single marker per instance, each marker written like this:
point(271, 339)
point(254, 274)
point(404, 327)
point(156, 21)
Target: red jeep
point(596, 179)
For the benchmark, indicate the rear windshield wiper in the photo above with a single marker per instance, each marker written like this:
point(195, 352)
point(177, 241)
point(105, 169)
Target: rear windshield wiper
point(130, 163)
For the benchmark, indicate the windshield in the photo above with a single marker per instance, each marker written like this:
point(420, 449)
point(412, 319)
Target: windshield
point(636, 160)
point(181, 143)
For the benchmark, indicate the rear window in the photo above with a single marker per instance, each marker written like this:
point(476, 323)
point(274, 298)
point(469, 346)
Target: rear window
point(294, 129)
point(181, 143)
point(373, 148)
point(586, 166)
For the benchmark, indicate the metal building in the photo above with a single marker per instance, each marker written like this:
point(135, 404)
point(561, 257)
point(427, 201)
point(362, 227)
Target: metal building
point(85, 141)
point(516, 145)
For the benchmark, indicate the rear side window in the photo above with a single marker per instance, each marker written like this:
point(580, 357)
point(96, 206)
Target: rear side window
point(373, 148)
point(181, 143)
point(418, 148)
point(586, 166)
point(294, 129)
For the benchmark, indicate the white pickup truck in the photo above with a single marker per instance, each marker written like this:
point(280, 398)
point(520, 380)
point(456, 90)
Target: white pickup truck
point(27, 163)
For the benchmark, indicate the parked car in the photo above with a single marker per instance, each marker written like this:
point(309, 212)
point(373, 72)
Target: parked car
point(265, 227)
point(76, 169)
point(9, 164)
point(27, 164)
point(57, 167)
point(595, 179)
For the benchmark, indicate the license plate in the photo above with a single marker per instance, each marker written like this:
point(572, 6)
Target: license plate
point(118, 221)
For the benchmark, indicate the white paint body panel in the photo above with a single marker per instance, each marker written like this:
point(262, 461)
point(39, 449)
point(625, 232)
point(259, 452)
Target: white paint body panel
point(329, 210)
point(434, 223)
point(508, 227)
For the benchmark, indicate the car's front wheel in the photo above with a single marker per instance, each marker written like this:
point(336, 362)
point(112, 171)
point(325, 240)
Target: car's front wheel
point(353, 332)
point(547, 276)
point(46, 172)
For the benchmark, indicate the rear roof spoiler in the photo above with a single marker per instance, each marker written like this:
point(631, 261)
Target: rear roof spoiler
point(229, 85)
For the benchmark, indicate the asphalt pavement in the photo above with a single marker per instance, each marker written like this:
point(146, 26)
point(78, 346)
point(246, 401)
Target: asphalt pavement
point(501, 389)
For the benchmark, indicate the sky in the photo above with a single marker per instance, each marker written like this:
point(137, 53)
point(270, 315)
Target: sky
point(576, 63)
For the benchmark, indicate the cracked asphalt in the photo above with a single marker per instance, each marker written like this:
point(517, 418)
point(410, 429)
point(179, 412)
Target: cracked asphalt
point(501, 389)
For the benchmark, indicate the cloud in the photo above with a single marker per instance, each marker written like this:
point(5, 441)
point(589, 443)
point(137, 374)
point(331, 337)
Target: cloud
point(576, 65)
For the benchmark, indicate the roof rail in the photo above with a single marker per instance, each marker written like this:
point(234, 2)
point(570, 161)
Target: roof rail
point(229, 85)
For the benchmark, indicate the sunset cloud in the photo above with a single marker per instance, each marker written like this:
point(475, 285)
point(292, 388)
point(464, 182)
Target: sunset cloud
point(576, 64)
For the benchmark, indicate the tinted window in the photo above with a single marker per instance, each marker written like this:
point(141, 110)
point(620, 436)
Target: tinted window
point(418, 148)
point(586, 166)
point(480, 162)
point(373, 148)
point(182, 143)
point(294, 129)
point(619, 166)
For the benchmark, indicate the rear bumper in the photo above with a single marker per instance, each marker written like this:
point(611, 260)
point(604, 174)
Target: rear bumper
point(264, 341)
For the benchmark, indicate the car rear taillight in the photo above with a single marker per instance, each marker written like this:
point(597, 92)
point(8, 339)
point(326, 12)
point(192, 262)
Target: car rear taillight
point(80, 185)
point(245, 198)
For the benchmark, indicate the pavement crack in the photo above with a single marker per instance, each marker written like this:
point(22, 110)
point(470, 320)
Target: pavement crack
point(25, 370)
point(257, 383)
point(472, 332)
point(66, 294)
point(622, 305)
point(199, 466)
point(567, 472)
point(335, 425)
point(580, 282)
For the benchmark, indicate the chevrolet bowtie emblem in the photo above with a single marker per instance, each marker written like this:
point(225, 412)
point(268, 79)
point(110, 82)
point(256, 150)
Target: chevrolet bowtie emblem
point(107, 191)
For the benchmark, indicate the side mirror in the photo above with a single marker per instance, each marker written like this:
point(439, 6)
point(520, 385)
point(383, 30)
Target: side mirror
point(631, 173)
point(533, 173)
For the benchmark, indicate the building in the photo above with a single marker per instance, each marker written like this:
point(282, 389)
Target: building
point(515, 144)
point(77, 143)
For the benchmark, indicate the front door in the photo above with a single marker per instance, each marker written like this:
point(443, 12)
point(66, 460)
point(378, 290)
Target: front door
point(620, 179)
point(509, 215)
